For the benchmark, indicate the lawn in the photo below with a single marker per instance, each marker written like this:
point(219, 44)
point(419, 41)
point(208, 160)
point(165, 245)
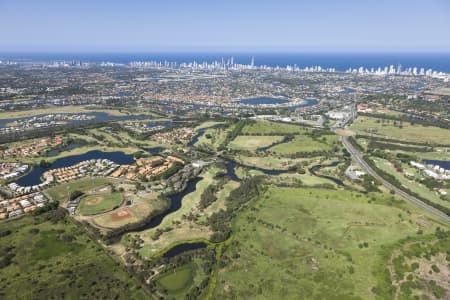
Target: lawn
point(408, 132)
point(60, 193)
point(252, 143)
point(304, 143)
point(272, 128)
point(57, 260)
point(314, 244)
point(94, 204)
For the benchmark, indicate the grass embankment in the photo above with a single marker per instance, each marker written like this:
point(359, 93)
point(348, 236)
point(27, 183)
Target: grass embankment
point(47, 260)
point(314, 244)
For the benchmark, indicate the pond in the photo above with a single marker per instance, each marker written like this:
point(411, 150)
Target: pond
point(181, 248)
point(34, 177)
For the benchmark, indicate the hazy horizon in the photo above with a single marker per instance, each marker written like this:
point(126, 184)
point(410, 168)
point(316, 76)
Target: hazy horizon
point(232, 26)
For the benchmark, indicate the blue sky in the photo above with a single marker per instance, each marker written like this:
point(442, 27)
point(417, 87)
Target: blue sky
point(231, 25)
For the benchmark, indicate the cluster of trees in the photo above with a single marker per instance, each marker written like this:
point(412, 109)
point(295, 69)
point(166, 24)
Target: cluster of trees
point(209, 195)
point(220, 222)
point(233, 133)
point(375, 144)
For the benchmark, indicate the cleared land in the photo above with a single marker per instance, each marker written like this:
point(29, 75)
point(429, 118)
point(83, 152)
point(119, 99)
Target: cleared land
point(303, 143)
point(314, 244)
point(47, 257)
point(99, 203)
point(266, 127)
point(252, 143)
point(415, 133)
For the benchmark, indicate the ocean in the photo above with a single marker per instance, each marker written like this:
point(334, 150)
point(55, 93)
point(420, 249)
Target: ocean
point(340, 61)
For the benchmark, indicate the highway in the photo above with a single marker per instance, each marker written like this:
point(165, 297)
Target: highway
point(439, 214)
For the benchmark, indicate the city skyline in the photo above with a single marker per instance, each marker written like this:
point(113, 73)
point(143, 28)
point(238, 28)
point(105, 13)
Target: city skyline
point(213, 26)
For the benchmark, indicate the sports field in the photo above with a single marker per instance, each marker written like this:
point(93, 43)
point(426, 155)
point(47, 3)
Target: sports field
point(314, 244)
point(98, 203)
point(141, 207)
point(61, 192)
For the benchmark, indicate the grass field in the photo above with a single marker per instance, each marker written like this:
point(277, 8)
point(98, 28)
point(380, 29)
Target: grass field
point(314, 244)
point(266, 127)
point(178, 281)
point(252, 143)
point(60, 193)
point(98, 203)
point(58, 261)
point(270, 162)
point(415, 133)
point(303, 143)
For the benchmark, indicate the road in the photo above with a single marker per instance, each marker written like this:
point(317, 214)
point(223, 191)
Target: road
point(439, 214)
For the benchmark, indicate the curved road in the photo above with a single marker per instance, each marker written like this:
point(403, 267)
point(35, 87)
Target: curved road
point(389, 186)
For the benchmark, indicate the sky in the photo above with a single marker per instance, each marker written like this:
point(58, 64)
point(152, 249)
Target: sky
point(229, 25)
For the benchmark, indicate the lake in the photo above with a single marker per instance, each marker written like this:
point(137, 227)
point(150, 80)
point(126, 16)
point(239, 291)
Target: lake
point(441, 163)
point(34, 177)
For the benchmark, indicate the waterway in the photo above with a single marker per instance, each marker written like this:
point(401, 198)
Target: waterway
point(316, 168)
point(181, 248)
point(200, 132)
point(34, 177)
point(231, 169)
point(56, 151)
point(262, 100)
point(97, 117)
point(175, 204)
